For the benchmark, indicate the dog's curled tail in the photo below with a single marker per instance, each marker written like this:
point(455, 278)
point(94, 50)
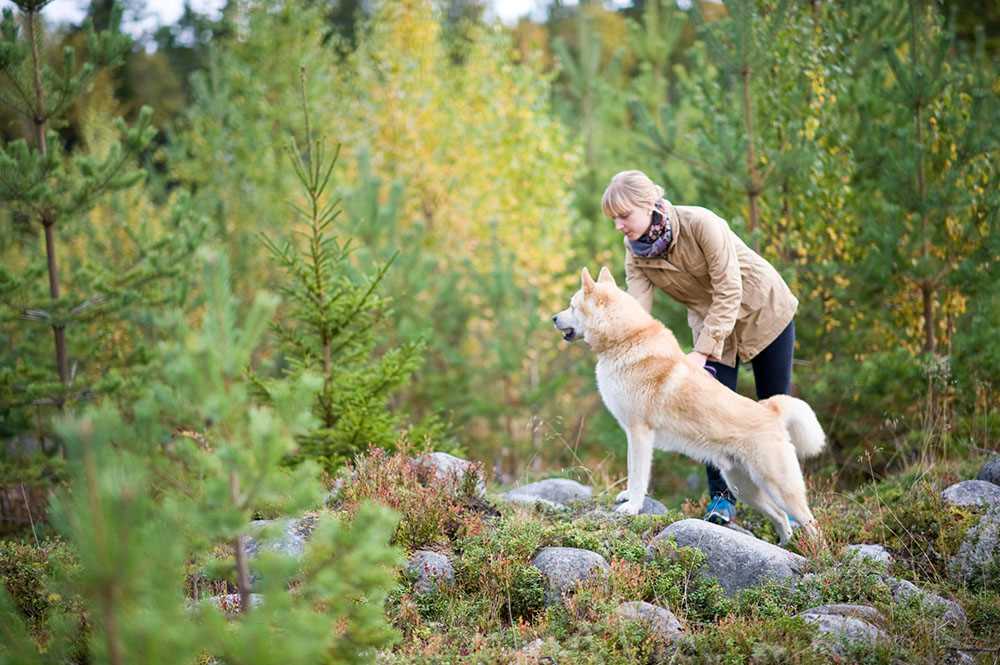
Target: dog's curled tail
point(800, 421)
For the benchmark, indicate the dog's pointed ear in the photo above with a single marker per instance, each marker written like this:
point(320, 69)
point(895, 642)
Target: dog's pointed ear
point(586, 281)
point(606, 277)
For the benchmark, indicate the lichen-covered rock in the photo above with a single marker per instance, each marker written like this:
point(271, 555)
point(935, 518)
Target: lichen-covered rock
point(874, 552)
point(991, 471)
point(978, 557)
point(838, 630)
point(533, 649)
point(904, 590)
point(445, 466)
point(431, 569)
point(972, 493)
point(285, 536)
point(738, 561)
point(865, 613)
point(661, 621)
point(564, 567)
point(553, 492)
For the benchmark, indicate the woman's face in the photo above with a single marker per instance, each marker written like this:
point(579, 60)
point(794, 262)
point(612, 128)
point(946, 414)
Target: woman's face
point(634, 224)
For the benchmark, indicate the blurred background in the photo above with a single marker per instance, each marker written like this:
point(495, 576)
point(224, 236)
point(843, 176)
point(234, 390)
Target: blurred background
point(854, 145)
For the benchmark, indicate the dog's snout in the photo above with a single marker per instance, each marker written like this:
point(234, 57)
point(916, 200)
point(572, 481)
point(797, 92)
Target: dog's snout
point(555, 318)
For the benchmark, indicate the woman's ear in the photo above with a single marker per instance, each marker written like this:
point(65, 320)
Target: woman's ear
point(606, 277)
point(586, 282)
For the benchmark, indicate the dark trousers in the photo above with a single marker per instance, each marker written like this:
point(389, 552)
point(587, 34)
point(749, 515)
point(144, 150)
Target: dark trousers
point(772, 375)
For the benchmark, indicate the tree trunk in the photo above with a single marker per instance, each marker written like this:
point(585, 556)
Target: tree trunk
point(38, 120)
point(753, 185)
point(242, 570)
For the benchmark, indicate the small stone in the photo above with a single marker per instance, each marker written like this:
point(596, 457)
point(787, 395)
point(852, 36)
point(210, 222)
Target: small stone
point(564, 567)
point(446, 466)
point(651, 506)
point(903, 590)
point(661, 621)
point(432, 570)
point(990, 471)
point(552, 492)
point(836, 630)
point(863, 612)
point(972, 493)
point(533, 649)
point(291, 541)
point(874, 552)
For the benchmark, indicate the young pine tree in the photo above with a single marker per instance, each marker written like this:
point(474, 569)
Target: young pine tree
point(49, 191)
point(145, 495)
point(331, 325)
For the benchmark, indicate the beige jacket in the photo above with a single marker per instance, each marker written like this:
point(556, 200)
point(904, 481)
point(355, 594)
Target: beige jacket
point(737, 302)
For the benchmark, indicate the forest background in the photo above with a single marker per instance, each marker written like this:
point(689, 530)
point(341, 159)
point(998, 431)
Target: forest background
point(854, 145)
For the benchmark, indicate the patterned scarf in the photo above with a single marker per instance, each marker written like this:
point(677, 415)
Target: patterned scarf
point(656, 240)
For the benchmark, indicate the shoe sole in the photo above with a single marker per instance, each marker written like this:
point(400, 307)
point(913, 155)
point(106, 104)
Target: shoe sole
point(717, 518)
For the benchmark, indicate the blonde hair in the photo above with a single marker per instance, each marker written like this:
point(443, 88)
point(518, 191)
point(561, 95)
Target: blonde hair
point(629, 190)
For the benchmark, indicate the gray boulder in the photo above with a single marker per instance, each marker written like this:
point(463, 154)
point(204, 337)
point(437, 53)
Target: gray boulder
point(979, 554)
point(863, 612)
point(533, 649)
point(841, 625)
point(661, 621)
point(972, 493)
point(738, 529)
point(284, 536)
point(904, 590)
point(990, 471)
point(738, 561)
point(874, 552)
point(445, 466)
point(432, 570)
point(564, 567)
point(552, 492)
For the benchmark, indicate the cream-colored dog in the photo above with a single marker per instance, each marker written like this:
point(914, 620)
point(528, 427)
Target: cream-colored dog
point(664, 401)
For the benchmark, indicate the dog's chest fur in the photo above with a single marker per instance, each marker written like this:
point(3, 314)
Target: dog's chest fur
point(633, 402)
point(629, 396)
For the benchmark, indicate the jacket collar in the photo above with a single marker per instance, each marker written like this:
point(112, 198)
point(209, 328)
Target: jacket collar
point(676, 227)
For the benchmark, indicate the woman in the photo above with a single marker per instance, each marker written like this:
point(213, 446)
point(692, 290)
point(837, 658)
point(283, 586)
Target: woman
point(739, 307)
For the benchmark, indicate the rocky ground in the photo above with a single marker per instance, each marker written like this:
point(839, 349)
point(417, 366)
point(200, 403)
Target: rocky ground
point(547, 571)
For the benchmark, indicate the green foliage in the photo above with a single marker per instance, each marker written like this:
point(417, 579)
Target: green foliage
point(331, 325)
point(145, 492)
point(92, 281)
point(676, 580)
point(495, 565)
point(25, 571)
point(432, 509)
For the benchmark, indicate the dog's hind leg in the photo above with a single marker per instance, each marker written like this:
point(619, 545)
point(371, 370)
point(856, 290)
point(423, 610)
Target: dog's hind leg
point(739, 480)
point(778, 473)
point(640, 459)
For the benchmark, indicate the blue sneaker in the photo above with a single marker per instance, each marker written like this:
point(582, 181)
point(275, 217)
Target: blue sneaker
point(720, 511)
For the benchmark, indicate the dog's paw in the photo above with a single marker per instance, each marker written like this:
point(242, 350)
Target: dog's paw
point(622, 496)
point(629, 508)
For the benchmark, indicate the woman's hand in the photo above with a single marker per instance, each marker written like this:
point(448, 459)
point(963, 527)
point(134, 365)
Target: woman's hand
point(699, 359)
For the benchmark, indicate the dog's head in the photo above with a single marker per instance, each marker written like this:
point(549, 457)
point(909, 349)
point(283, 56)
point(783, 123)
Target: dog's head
point(591, 308)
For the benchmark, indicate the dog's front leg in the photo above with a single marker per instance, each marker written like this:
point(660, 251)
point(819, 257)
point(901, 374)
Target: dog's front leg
point(640, 458)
